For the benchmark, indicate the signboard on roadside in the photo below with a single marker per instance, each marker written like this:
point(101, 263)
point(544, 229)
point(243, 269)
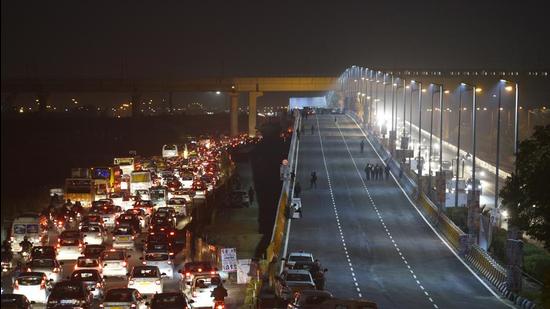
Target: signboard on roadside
point(243, 271)
point(229, 259)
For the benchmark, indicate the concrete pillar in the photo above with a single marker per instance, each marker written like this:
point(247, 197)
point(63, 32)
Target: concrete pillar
point(43, 101)
point(234, 114)
point(252, 114)
point(135, 100)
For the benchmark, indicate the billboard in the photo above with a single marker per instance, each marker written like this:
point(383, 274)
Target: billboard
point(301, 102)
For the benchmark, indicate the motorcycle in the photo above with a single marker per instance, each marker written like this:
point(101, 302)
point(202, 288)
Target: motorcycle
point(219, 304)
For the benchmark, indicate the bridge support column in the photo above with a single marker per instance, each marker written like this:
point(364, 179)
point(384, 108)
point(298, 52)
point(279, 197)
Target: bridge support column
point(135, 102)
point(252, 114)
point(234, 114)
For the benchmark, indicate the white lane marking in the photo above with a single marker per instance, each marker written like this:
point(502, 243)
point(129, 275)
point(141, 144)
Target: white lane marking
point(430, 225)
point(334, 204)
point(374, 205)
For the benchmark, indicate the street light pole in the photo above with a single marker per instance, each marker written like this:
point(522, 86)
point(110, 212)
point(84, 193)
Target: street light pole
point(419, 164)
point(458, 144)
point(516, 131)
point(440, 128)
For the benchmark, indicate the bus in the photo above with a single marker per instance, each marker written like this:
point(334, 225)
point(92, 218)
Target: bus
point(125, 164)
point(80, 189)
point(103, 181)
point(140, 181)
point(26, 225)
point(169, 151)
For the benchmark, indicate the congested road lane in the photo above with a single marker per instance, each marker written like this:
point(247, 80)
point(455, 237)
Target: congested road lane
point(368, 234)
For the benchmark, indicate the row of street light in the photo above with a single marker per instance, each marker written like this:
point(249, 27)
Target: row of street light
point(360, 87)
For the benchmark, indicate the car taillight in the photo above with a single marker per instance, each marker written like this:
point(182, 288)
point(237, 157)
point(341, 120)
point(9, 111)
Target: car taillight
point(171, 253)
point(133, 305)
point(220, 306)
point(28, 269)
point(144, 263)
point(213, 272)
point(124, 263)
point(98, 234)
point(187, 274)
point(200, 270)
point(114, 237)
point(98, 285)
point(101, 305)
point(80, 245)
point(131, 282)
point(59, 245)
point(172, 233)
point(133, 237)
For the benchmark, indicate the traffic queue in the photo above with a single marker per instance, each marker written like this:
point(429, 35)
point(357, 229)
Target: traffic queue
point(112, 238)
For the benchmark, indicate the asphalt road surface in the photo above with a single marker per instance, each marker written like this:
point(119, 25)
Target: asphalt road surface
point(373, 241)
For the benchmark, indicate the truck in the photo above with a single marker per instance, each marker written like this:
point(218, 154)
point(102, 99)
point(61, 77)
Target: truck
point(27, 225)
point(80, 189)
point(125, 164)
point(140, 180)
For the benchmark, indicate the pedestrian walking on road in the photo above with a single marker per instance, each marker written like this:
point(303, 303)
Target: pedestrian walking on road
point(367, 171)
point(377, 172)
point(400, 172)
point(313, 180)
point(362, 145)
point(387, 170)
point(312, 129)
point(251, 195)
point(371, 171)
point(298, 133)
point(334, 119)
point(297, 189)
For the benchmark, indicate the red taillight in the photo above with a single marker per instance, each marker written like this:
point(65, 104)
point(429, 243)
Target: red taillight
point(213, 272)
point(98, 234)
point(29, 270)
point(220, 306)
point(144, 263)
point(59, 245)
point(200, 270)
point(133, 237)
point(43, 284)
point(133, 305)
point(172, 233)
point(188, 274)
point(114, 237)
point(80, 245)
point(98, 285)
point(171, 253)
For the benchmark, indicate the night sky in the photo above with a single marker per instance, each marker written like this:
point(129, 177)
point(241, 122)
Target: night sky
point(175, 39)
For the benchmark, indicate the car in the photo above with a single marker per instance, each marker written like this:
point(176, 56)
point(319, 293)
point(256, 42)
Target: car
point(93, 251)
point(69, 245)
point(161, 219)
point(115, 263)
point(186, 194)
point(201, 290)
point(123, 237)
point(129, 219)
point(43, 252)
point(146, 279)
point(15, 301)
point(146, 205)
point(124, 298)
point(170, 211)
point(199, 187)
point(161, 259)
point(143, 194)
point(167, 229)
point(88, 263)
point(140, 213)
point(191, 269)
point(298, 259)
point(172, 300)
point(92, 234)
point(92, 279)
point(186, 181)
point(34, 285)
point(179, 204)
point(91, 219)
point(292, 281)
point(50, 267)
point(109, 214)
point(116, 197)
point(70, 293)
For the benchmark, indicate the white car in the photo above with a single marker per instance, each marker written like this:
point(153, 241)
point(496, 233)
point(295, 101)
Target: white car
point(92, 234)
point(186, 194)
point(34, 285)
point(161, 260)
point(69, 245)
point(123, 298)
point(124, 238)
point(49, 267)
point(292, 281)
point(83, 263)
point(143, 194)
point(201, 290)
point(186, 181)
point(299, 258)
point(115, 263)
point(179, 204)
point(146, 279)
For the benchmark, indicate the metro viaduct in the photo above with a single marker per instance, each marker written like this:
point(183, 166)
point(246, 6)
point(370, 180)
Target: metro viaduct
point(255, 86)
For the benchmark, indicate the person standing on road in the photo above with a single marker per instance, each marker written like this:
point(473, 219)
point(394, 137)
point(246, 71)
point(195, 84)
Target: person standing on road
point(297, 189)
point(334, 119)
point(362, 145)
point(313, 180)
point(387, 170)
point(367, 171)
point(298, 133)
point(312, 129)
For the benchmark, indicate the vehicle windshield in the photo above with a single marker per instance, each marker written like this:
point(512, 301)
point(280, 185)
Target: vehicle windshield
point(145, 273)
point(170, 300)
point(68, 242)
point(42, 263)
point(85, 276)
point(122, 230)
point(30, 280)
point(119, 295)
point(206, 282)
point(70, 234)
point(113, 255)
point(297, 277)
point(93, 249)
point(67, 290)
point(300, 258)
point(90, 228)
point(87, 262)
point(157, 257)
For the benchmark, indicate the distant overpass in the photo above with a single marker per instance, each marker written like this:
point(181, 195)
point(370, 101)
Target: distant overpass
point(255, 86)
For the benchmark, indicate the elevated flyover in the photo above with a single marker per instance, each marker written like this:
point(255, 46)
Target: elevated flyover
point(255, 86)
